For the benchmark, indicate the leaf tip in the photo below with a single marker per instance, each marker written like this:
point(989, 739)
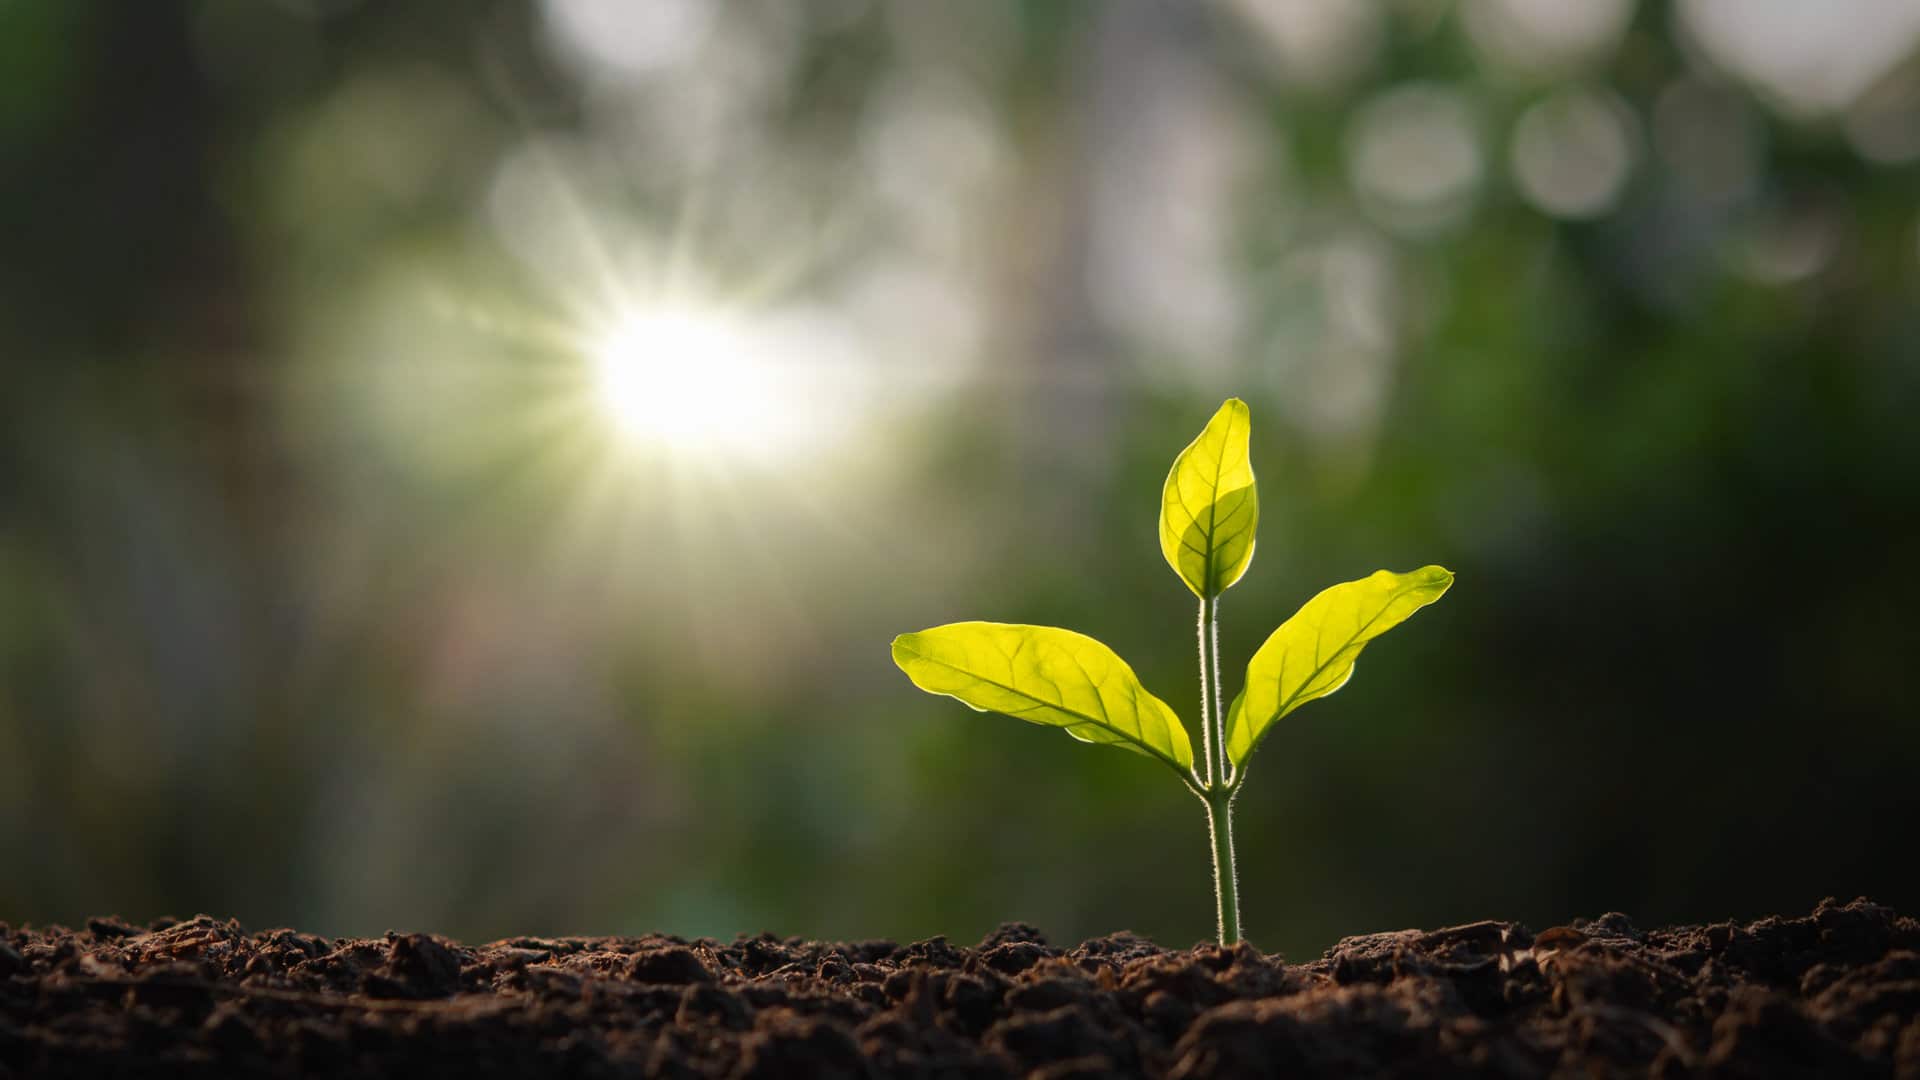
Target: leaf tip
point(903, 649)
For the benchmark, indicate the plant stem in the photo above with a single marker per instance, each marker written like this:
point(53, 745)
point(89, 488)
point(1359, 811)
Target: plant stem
point(1206, 709)
point(1219, 791)
point(1218, 721)
point(1226, 884)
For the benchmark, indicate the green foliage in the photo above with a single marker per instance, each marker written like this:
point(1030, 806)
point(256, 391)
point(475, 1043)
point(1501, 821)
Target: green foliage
point(1209, 511)
point(1045, 675)
point(1210, 508)
point(1312, 654)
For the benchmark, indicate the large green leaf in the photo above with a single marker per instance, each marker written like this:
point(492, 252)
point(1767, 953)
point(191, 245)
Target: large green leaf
point(1209, 509)
point(1312, 654)
point(1045, 675)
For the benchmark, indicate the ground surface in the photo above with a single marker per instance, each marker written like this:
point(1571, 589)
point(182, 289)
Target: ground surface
point(1836, 993)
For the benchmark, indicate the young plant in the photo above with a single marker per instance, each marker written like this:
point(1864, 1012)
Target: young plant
point(1045, 675)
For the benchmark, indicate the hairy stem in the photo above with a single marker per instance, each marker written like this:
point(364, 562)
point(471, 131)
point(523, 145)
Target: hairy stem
point(1226, 883)
point(1217, 722)
point(1219, 791)
point(1206, 712)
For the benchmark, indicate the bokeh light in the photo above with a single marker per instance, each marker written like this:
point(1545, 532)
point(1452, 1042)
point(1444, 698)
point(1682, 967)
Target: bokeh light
point(1811, 59)
point(1573, 153)
point(1415, 156)
point(1546, 37)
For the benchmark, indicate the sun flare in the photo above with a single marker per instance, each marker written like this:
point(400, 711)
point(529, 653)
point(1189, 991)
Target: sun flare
point(684, 379)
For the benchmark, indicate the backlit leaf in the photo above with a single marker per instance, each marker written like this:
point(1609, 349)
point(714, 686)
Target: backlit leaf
point(1209, 509)
point(1312, 654)
point(1045, 675)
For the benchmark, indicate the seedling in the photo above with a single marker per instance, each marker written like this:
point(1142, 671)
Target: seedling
point(1045, 675)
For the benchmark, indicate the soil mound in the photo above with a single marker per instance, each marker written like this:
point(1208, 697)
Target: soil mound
point(1833, 994)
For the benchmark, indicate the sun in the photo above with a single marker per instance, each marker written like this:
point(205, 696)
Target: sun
point(685, 379)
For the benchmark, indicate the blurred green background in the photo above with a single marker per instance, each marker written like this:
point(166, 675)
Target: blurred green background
point(462, 463)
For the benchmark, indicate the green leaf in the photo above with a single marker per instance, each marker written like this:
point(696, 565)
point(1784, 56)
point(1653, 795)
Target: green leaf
point(1045, 675)
point(1312, 654)
point(1209, 509)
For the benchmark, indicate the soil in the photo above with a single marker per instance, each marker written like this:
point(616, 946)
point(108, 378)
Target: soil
point(1833, 994)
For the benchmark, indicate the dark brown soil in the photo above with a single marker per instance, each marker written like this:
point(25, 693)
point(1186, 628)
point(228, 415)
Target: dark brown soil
point(1834, 994)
